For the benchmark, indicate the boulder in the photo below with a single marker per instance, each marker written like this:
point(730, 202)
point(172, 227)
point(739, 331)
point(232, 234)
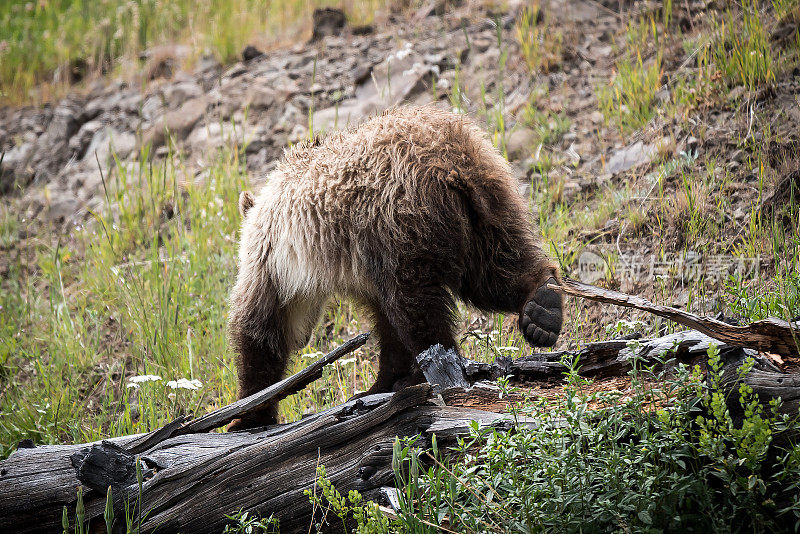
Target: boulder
point(178, 124)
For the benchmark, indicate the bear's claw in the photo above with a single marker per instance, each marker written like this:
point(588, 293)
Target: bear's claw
point(540, 320)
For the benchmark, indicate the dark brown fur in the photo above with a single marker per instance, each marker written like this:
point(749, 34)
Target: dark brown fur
point(403, 214)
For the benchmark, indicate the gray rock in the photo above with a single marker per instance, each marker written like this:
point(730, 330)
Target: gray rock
point(85, 185)
point(130, 103)
point(52, 149)
point(291, 116)
point(260, 97)
point(62, 206)
point(520, 143)
point(152, 108)
point(178, 123)
point(299, 133)
point(79, 141)
point(107, 142)
point(327, 21)
point(177, 94)
point(250, 53)
point(630, 157)
point(13, 167)
point(347, 113)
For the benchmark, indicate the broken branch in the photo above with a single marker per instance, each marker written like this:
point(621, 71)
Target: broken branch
point(769, 335)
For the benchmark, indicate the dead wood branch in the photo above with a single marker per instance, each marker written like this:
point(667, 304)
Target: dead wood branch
point(242, 407)
point(276, 392)
point(769, 335)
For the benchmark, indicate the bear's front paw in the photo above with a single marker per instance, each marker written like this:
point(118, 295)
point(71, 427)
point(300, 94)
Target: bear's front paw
point(540, 319)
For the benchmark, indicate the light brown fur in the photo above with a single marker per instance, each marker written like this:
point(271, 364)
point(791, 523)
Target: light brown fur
point(413, 207)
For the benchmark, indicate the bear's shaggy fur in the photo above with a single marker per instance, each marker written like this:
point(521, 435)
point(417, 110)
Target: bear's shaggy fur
point(402, 214)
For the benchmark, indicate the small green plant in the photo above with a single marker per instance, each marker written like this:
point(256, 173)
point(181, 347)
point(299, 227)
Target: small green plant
point(365, 516)
point(247, 523)
point(666, 13)
point(108, 513)
point(752, 303)
point(81, 525)
point(458, 99)
point(786, 9)
point(742, 52)
point(494, 113)
point(549, 128)
point(720, 437)
point(630, 96)
point(540, 44)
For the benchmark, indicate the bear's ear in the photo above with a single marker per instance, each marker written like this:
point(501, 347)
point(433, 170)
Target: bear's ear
point(246, 201)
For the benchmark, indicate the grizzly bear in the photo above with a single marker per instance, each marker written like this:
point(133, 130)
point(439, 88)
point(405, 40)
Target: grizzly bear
point(403, 214)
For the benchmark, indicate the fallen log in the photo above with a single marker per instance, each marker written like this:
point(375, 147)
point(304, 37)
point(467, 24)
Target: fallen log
point(448, 372)
point(768, 335)
point(595, 360)
point(192, 479)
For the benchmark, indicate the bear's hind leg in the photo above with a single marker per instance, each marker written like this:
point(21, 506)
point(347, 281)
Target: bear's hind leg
point(411, 318)
point(540, 318)
point(520, 288)
point(395, 360)
point(261, 362)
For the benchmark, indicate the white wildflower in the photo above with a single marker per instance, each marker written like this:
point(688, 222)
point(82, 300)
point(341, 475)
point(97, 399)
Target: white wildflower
point(400, 54)
point(183, 383)
point(509, 348)
point(134, 381)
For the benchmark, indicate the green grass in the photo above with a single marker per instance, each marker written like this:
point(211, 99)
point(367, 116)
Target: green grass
point(42, 41)
point(145, 295)
point(629, 99)
point(743, 52)
point(751, 303)
point(549, 127)
point(540, 44)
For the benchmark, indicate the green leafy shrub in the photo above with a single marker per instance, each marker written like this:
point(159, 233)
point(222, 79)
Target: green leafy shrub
point(247, 523)
point(362, 516)
point(667, 457)
point(753, 304)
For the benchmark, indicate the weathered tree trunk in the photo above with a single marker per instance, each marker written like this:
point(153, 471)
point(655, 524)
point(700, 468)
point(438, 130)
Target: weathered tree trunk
point(192, 481)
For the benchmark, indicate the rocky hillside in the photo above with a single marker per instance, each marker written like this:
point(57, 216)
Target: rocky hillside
point(658, 143)
point(55, 157)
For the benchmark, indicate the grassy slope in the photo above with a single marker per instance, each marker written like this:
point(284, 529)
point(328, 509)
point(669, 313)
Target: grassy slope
point(44, 44)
